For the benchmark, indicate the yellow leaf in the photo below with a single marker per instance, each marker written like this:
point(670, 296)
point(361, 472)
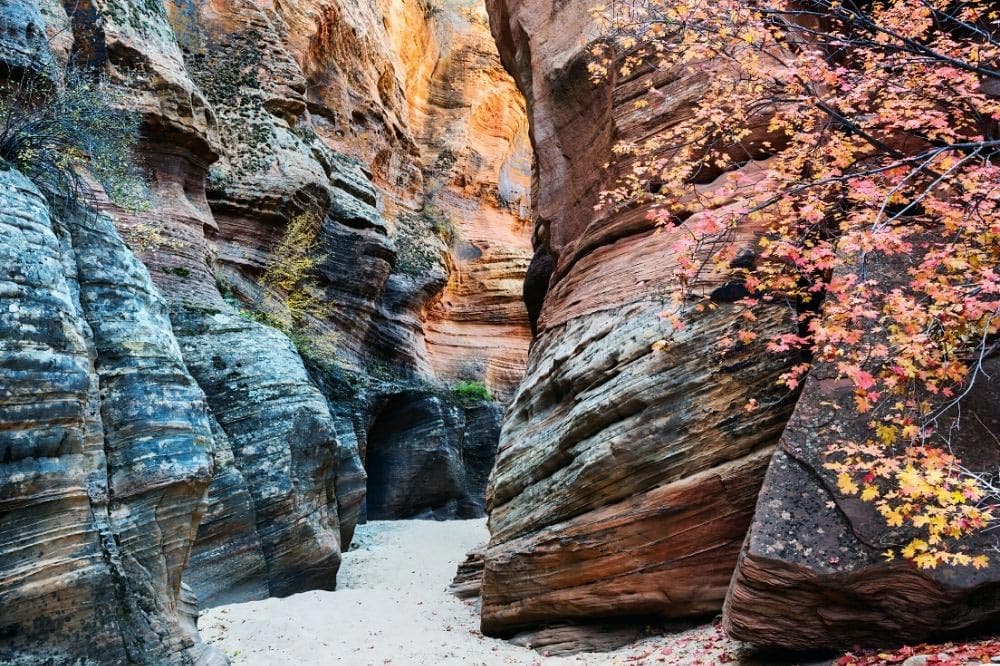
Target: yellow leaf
point(893, 518)
point(869, 493)
point(846, 484)
point(914, 547)
point(980, 561)
point(887, 433)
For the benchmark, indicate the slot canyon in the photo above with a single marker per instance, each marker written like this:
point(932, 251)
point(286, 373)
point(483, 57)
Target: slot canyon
point(370, 332)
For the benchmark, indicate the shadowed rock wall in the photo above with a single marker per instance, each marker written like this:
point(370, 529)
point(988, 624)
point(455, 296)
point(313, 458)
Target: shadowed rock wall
point(812, 571)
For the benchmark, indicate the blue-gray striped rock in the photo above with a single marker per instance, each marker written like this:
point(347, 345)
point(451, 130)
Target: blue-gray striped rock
point(105, 449)
point(281, 438)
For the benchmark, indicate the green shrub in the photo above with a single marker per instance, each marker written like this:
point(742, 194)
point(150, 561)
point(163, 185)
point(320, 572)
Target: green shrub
point(471, 391)
point(57, 129)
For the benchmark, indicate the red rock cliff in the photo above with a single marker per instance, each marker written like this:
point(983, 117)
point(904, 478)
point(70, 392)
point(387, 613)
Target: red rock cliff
point(626, 478)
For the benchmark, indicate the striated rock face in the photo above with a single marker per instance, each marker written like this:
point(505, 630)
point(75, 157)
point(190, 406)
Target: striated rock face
point(220, 433)
point(427, 457)
point(105, 453)
point(256, 116)
point(473, 133)
point(283, 441)
point(626, 478)
point(809, 576)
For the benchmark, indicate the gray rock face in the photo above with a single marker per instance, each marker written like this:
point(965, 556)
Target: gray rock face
point(227, 563)
point(105, 449)
point(283, 442)
point(23, 47)
point(428, 457)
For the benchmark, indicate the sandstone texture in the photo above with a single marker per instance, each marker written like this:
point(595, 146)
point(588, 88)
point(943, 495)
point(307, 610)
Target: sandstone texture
point(626, 477)
point(106, 447)
point(187, 428)
point(427, 457)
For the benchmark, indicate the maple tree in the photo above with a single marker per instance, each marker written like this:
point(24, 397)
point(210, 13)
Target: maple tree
point(858, 141)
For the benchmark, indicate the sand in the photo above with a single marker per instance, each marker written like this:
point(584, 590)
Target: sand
point(392, 607)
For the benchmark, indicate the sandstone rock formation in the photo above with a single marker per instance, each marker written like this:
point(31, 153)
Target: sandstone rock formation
point(427, 457)
point(626, 477)
point(265, 92)
point(219, 433)
point(106, 446)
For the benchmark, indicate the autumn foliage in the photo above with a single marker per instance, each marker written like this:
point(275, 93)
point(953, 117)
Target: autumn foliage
point(858, 141)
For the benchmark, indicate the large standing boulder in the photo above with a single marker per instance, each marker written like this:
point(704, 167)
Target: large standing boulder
point(813, 570)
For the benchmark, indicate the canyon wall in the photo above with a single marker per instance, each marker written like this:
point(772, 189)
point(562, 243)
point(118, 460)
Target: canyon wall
point(626, 477)
point(334, 240)
point(628, 471)
point(106, 447)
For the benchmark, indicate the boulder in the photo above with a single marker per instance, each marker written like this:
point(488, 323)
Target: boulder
point(812, 571)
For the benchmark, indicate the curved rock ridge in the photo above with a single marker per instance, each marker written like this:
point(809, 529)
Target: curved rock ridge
point(626, 477)
point(105, 455)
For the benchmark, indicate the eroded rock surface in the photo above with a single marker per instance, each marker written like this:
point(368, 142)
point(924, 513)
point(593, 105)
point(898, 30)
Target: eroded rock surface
point(214, 434)
point(106, 448)
point(428, 456)
point(396, 129)
point(626, 477)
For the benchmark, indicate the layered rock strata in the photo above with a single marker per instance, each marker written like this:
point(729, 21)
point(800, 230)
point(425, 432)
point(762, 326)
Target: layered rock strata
point(429, 457)
point(105, 455)
point(626, 477)
point(219, 433)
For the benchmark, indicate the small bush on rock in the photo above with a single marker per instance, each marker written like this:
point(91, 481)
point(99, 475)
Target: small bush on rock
point(56, 130)
point(471, 391)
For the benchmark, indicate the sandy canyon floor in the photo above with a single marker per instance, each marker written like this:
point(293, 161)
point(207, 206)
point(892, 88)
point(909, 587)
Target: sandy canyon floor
point(392, 607)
